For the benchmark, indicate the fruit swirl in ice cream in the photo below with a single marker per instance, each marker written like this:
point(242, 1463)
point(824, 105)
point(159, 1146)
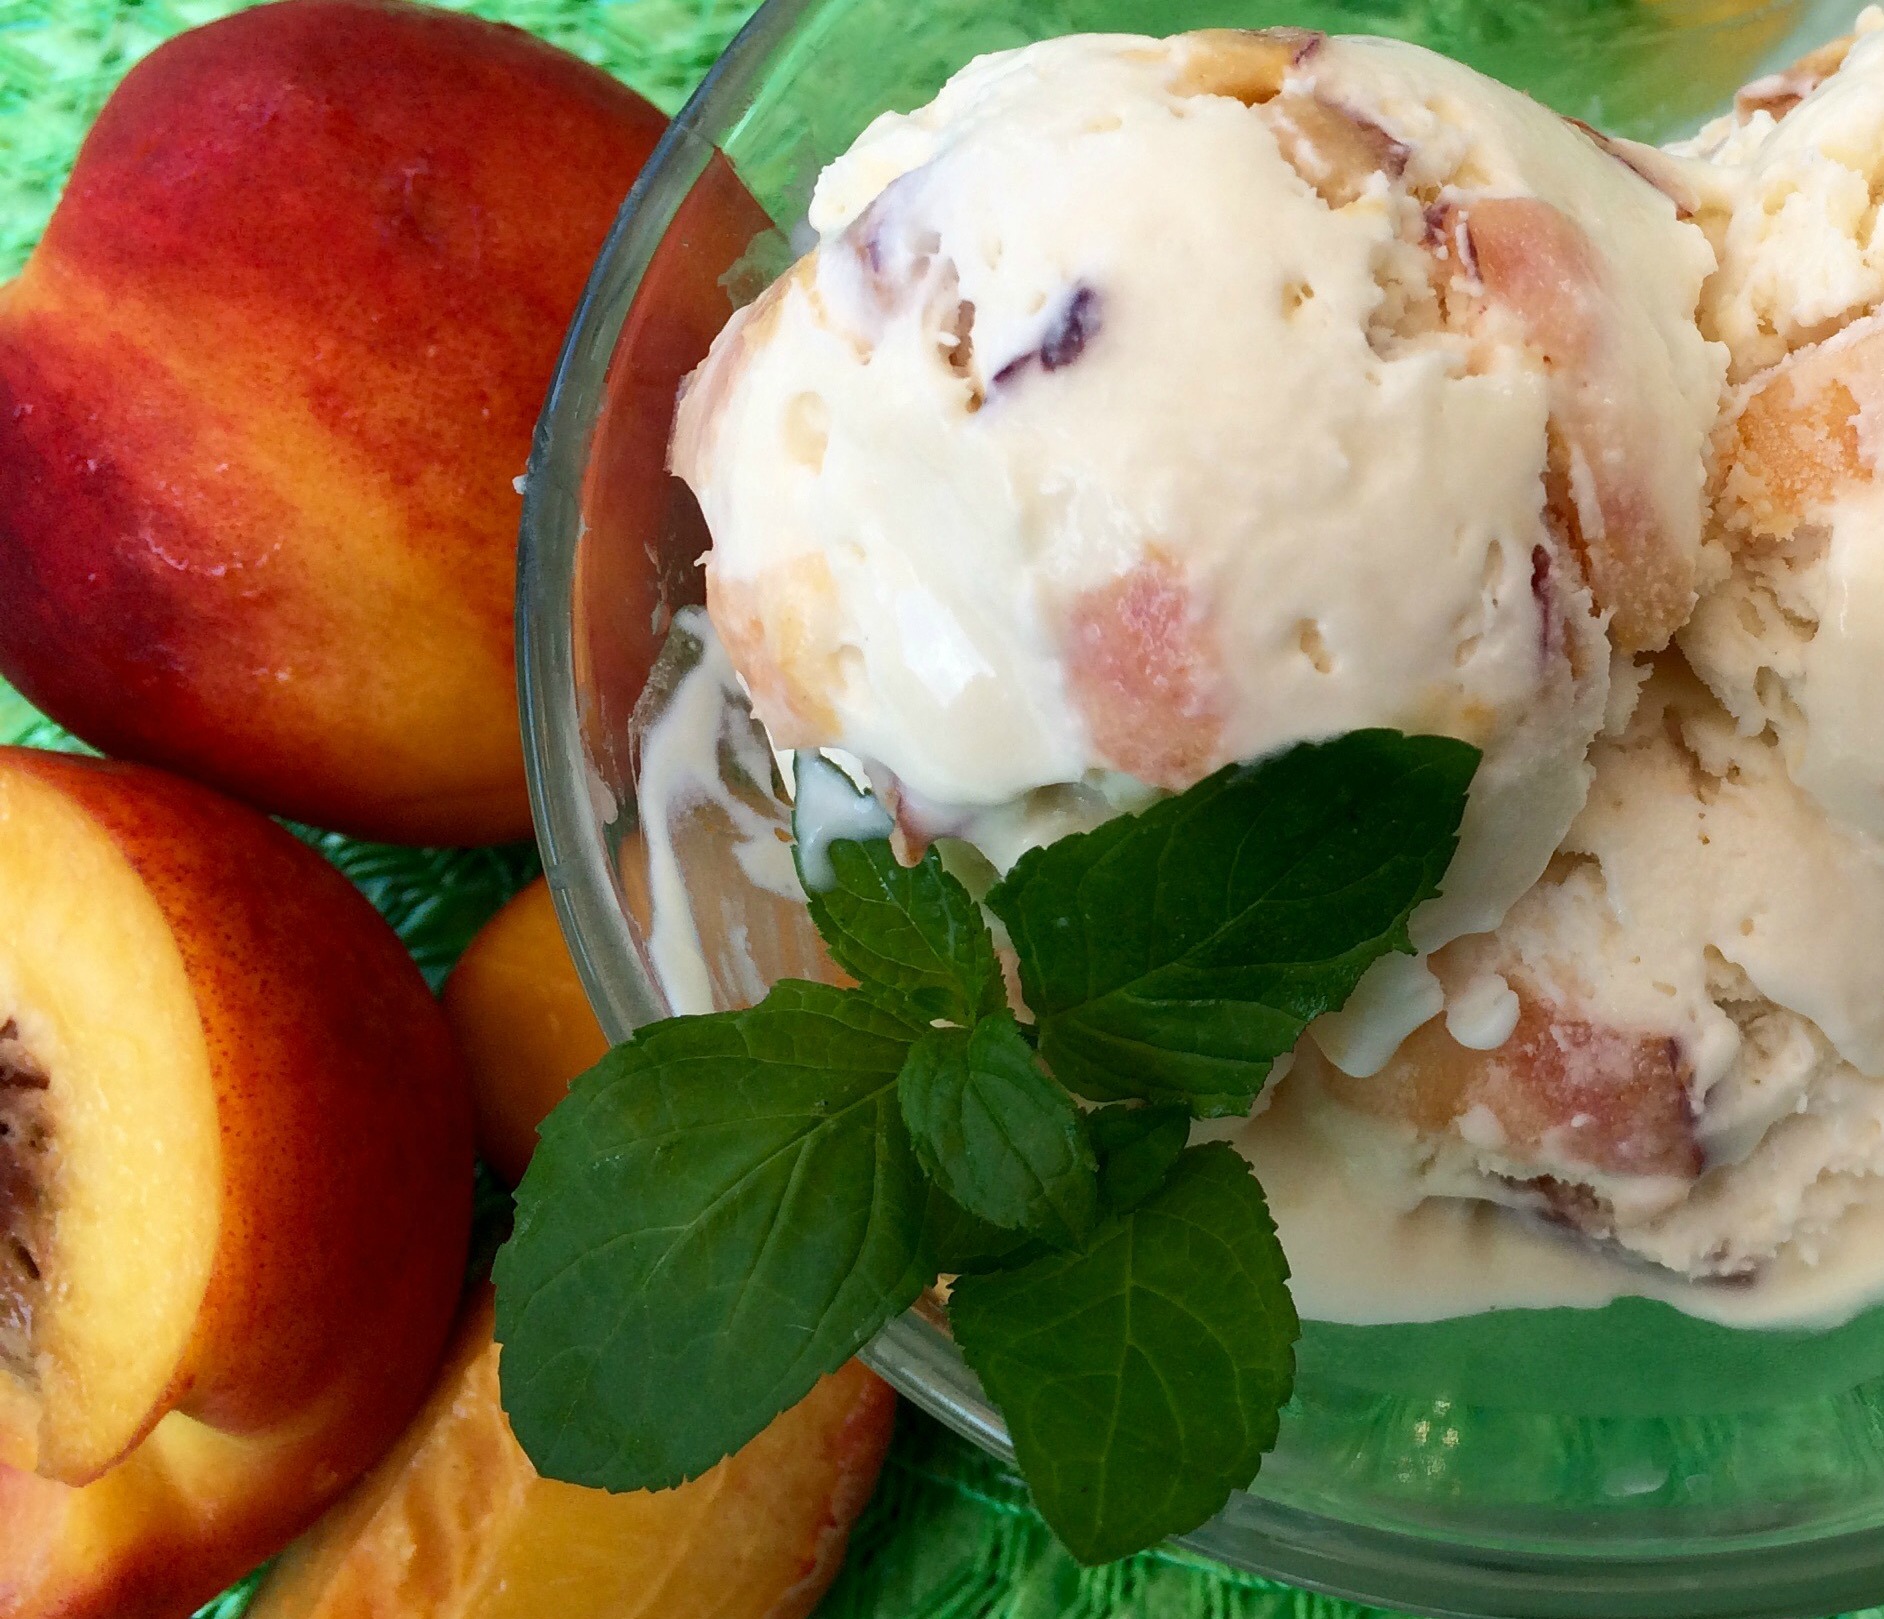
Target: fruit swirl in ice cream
point(1146, 405)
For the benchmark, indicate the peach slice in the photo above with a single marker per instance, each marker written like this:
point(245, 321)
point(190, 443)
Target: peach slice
point(1144, 672)
point(235, 1143)
point(455, 1524)
point(1568, 1093)
point(1801, 436)
point(523, 1023)
point(266, 387)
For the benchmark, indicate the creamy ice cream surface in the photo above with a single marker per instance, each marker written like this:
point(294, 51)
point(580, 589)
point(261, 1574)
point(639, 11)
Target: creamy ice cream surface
point(1151, 404)
point(1678, 1048)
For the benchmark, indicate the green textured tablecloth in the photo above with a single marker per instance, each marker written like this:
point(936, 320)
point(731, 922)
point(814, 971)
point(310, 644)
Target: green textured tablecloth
point(948, 1536)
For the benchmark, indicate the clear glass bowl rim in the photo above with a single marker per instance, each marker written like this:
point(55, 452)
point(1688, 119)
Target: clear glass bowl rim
point(1824, 1575)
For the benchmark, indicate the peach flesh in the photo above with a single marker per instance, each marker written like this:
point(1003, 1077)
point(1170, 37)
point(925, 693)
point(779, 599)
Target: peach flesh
point(1562, 1089)
point(455, 1524)
point(1801, 438)
point(88, 965)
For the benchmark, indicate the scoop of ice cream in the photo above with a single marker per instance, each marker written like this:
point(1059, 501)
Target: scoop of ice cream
point(1151, 404)
point(1674, 1041)
point(1793, 637)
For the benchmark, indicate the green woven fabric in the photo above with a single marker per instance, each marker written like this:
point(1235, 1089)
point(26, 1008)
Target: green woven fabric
point(949, 1534)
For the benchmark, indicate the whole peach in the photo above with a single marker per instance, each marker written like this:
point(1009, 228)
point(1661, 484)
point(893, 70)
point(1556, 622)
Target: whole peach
point(523, 1025)
point(266, 387)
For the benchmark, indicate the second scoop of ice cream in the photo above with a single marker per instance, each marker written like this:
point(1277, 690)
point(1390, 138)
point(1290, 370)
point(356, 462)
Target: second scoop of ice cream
point(1793, 639)
point(1151, 404)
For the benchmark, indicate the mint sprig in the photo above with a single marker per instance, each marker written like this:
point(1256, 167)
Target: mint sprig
point(729, 1206)
point(1136, 1147)
point(912, 932)
point(996, 1134)
point(1175, 954)
point(963, 1244)
point(724, 1209)
point(1142, 1378)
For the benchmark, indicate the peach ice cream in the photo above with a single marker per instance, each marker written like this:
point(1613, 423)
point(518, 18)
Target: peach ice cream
point(1147, 405)
point(1672, 1043)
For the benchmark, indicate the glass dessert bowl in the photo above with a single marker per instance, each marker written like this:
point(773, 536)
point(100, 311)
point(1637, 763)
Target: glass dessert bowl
point(1520, 1461)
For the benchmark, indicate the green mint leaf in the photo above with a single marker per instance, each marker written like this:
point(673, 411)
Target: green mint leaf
point(724, 1209)
point(1174, 954)
point(912, 930)
point(999, 1137)
point(960, 1244)
point(1136, 1147)
point(1142, 1378)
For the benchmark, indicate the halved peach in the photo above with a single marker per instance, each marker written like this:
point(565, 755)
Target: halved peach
point(235, 1147)
point(455, 1524)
